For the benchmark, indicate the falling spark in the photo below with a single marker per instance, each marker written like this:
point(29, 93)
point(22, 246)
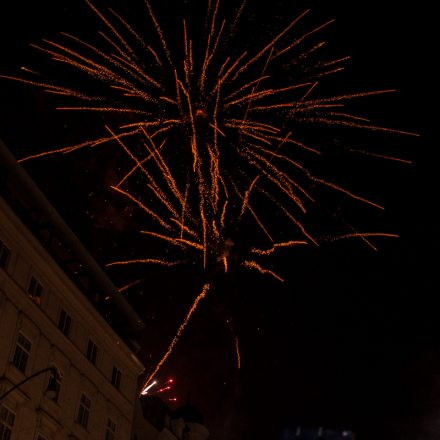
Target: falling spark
point(254, 265)
point(361, 235)
point(144, 261)
point(179, 332)
point(277, 246)
point(237, 351)
point(225, 263)
point(128, 286)
point(380, 156)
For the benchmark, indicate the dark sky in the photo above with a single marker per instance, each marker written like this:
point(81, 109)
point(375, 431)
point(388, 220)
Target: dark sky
point(352, 338)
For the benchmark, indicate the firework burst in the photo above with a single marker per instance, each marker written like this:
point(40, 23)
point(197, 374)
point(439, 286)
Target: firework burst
point(210, 131)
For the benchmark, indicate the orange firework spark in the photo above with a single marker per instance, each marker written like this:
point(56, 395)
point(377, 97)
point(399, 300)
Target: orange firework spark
point(209, 139)
point(364, 236)
point(254, 265)
point(129, 286)
point(276, 246)
point(201, 295)
point(237, 352)
point(380, 156)
point(144, 261)
point(225, 263)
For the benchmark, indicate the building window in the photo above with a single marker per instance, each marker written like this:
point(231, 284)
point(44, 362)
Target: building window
point(83, 411)
point(110, 430)
point(64, 322)
point(35, 289)
point(54, 386)
point(7, 419)
point(22, 352)
point(5, 255)
point(92, 350)
point(116, 378)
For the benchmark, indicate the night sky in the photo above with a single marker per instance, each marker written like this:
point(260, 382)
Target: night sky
point(351, 339)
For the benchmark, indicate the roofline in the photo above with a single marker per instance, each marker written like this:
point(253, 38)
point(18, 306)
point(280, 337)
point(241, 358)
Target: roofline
point(28, 189)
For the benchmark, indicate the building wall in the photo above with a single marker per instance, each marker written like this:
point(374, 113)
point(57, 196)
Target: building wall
point(36, 414)
point(142, 428)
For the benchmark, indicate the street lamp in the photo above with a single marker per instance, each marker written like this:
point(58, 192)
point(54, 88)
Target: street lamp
point(51, 387)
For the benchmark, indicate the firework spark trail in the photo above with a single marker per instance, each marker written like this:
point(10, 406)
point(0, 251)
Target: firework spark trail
point(237, 17)
point(380, 156)
point(186, 61)
point(295, 142)
point(255, 216)
point(225, 264)
point(205, 131)
point(193, 308)
point(136, 167)
point(254, 90)
point(159, 32)
point(105, 109)
point(209, 54)
point(302, 105)
point(144, 261)
point(348, 116)
point(332, 62)
point(247, 195)
point(129, 286)
point(332, 122)
point(143, 207)
point(52, 88)
point(276, 246)
point(92, 68)
point(254, 95)
point(302, 38)
point(163, 166)
point(224, 77)
point(347, 96)
point(235, 123)
point(193, 126)
point(136, 35)
point(274, 154)
point(70, 149)
point(361, 235)
point(237, 352)
point(250, 264)
point(175, 241)
point(152, 184)
point(276, 176)
point(329, 72)
point(109, 25)
point(182, 216)
point(223, 215)
point(292, 218)
point(270, 45)
point(343, 190)
point(246, 86)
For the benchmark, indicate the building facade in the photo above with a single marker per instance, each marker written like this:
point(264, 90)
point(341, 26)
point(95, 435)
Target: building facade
point(51, 317)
